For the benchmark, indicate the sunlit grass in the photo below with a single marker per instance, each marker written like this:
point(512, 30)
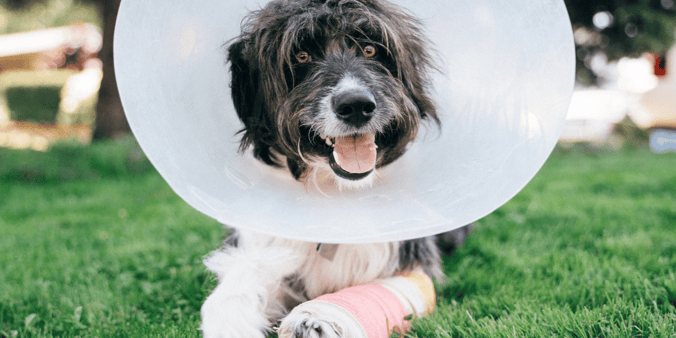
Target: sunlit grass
point(587, 249)
point(95, 244)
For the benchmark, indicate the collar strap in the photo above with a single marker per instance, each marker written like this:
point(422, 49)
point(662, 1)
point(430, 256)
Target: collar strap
point(328, 251)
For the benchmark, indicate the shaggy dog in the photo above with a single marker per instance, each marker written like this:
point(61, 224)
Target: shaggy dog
point(329, 90)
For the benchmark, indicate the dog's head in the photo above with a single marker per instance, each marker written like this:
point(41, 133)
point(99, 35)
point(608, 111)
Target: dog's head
point(339, 84)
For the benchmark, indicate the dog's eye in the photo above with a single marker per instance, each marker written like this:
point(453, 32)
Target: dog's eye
point(370, 51)
point(303, 57)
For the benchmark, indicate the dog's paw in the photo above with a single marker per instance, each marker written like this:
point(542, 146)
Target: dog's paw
point(305, 325)
point(232, 317)
point(320, 320)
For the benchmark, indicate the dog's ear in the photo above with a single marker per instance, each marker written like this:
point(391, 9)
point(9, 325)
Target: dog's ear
point(411, 52)
point(416, 77)
point(250, 103)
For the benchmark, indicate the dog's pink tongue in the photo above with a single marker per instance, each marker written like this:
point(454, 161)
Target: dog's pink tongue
point(356, 155)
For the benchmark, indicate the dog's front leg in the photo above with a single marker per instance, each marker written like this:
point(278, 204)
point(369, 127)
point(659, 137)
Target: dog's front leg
point(376, 309)
point(244, 305)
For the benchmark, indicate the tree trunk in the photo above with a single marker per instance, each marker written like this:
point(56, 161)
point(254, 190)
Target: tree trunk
point(110, 119)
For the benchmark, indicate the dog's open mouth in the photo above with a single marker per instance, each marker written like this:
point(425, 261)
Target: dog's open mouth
point(353, 157)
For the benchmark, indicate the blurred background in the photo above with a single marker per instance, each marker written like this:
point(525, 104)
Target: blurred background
point(56, 73)
point(57, 80)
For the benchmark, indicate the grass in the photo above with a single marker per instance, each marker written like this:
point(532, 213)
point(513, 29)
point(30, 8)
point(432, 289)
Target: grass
point(587, 249)
point(95, 244)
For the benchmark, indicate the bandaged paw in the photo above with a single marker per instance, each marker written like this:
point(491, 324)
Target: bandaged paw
point(374, 310)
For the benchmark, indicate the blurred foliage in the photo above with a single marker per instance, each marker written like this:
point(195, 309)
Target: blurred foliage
point(35, 96)
point(626, 137)
point(613, 29)
point(85, 113)
point(33, 104)
point(632, 136)
point(26, 15)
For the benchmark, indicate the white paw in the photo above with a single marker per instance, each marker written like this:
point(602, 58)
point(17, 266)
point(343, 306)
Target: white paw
point(303, 325)
point(232, 317)
point(319, 320)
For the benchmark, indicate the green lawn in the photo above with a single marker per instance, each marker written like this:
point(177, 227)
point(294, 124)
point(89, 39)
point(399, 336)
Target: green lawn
point(93, 243)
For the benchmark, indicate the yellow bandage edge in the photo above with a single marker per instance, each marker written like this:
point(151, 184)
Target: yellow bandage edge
point(426, 286)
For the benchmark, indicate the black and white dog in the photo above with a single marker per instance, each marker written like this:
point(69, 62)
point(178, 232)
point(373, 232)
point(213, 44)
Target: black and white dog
point(331, 90)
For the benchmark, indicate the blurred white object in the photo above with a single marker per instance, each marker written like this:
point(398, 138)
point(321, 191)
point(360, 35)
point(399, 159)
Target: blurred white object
point(636, 75)
point(47, 48)
point(593, 114)
point(657, 108)
point(508, 76)
point(80, 35)
point(81, 86)
point(34, 41)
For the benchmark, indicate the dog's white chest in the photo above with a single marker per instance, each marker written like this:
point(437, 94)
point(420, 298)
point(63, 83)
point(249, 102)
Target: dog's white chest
point(352, 264)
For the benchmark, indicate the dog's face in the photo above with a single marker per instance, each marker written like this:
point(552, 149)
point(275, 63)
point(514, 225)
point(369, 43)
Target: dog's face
point(330, 85)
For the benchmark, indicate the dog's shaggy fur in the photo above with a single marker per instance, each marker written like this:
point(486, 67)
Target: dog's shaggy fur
point(286, 105)
point(308, 76)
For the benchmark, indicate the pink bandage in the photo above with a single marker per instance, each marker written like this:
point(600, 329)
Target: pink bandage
point(377, 309)
point(374, 310)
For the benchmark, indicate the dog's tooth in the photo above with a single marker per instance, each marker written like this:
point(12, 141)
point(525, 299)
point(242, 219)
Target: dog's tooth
point(328, 142)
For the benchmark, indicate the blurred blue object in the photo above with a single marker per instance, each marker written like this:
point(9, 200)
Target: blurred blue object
point(663, 140)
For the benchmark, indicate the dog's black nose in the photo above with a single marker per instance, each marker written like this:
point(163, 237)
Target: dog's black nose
point(355, 107)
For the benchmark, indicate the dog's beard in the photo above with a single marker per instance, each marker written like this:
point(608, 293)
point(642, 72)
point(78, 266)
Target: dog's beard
point(342, 153)
point(354, 154)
